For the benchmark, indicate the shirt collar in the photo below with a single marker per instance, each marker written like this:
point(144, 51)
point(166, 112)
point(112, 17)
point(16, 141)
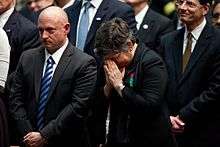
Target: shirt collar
point(68, 4)
point(5, 16)
point(57, 55)
point(95, 3)
point(140, 16)
point(197, 31)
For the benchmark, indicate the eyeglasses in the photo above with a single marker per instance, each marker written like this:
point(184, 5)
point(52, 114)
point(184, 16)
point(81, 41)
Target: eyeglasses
point(187, 3)
point(216, 16)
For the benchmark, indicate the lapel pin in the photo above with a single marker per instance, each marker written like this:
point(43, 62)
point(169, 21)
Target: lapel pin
point(8, 30)
point(145, 26)
point(98, 18)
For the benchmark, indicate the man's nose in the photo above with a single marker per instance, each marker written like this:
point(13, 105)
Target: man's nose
point(44, 34)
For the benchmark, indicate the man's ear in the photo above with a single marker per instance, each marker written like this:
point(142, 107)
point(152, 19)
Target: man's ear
point(206, 8)
point(67, 28)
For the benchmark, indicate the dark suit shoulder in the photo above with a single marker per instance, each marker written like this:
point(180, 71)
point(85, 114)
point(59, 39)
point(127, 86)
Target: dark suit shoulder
point(24, 30)
point(80, 55)
point(27, 26)
point(120, 5)
point(149, 55)
point(170, 36)
point(32, 52)
point(24, 24)
point(158, 17)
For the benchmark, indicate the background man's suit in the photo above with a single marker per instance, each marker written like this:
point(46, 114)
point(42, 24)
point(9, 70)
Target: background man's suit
point(68, 98)
point(194, 95)
point(152, 28)
point(106, 11)
point(22, 35)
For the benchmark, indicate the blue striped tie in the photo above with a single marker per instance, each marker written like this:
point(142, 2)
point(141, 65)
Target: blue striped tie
point(83, 26)
point(44, 90)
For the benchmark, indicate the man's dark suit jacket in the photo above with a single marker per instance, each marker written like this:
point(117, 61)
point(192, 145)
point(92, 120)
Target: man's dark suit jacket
point(68, 99)
point(22, 35)
point(152, 28)
point(140, 116)
point(30, 15)
point(195, 94)
point(107, 10)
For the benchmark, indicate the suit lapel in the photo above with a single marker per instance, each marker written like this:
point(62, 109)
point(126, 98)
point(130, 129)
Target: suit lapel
point(200, 47)
point(97, 20)
point(61, 67)
point(177, 50)
point(38, 71)
point(146, 26)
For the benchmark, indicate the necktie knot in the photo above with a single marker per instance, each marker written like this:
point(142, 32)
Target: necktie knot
point(189, 36)
point(87, 5)
point(50, 60)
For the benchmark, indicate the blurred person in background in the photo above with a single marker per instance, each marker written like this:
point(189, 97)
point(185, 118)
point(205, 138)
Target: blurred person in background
point(32, 8)
point(64, 3)
point(216, 13)
point(150, 24)
point(36, 5)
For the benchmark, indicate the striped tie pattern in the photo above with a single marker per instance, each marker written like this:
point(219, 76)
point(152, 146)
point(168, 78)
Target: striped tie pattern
point(44, 90)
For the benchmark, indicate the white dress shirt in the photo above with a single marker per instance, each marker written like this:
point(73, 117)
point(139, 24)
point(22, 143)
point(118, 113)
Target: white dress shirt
point(140, 16)
point(56, 56)
point(195, 33)
point(4, 57)
point(5, 16)
point(68, 4)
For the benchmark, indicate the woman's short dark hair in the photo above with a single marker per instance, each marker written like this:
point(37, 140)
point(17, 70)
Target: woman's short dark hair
point(112, 37)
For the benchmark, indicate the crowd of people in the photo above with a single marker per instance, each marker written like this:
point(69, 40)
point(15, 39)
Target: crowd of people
point(110, 73)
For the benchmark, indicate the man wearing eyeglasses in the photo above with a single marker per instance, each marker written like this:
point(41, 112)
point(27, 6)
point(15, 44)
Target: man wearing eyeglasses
point(192, 56)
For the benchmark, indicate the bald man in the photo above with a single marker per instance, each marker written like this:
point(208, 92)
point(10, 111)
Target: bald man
point(52, 87)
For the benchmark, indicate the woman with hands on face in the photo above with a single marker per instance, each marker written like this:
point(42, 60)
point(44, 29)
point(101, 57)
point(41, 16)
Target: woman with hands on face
point(134, 83)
